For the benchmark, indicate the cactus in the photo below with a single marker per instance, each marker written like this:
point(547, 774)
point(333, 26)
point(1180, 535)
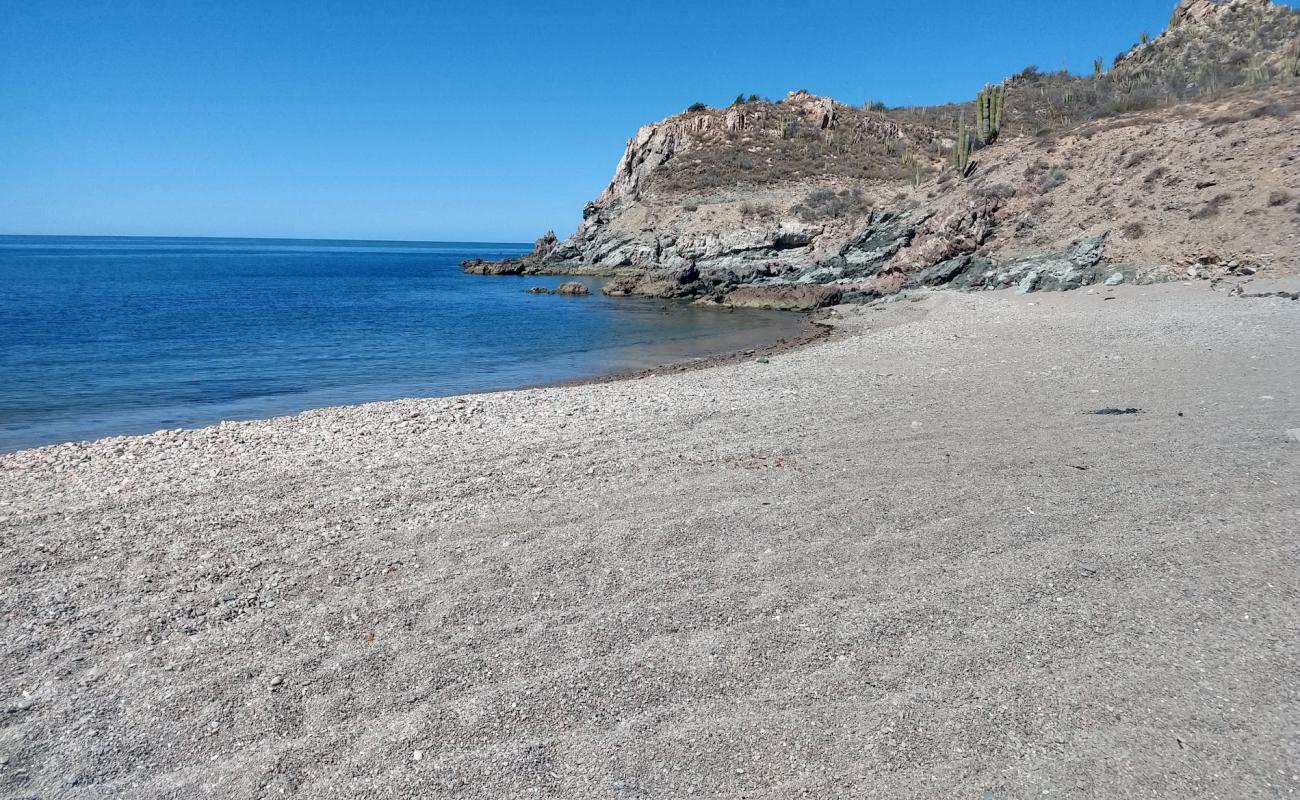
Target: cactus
point(988, 109)
point(1257, 72)
point(1098, 66)
point(962, 149)
point(1291, 64)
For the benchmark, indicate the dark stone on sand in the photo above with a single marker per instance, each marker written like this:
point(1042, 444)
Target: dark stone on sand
point(785, 297)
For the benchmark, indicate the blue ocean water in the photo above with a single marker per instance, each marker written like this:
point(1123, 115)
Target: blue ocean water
point(108, 336)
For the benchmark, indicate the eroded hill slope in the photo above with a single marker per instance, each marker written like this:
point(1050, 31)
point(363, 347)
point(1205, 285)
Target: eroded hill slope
point(1180, 158)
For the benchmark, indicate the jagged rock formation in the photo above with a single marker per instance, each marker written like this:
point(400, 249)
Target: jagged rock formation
point(1211, 44)
point(1207, 12)
point(760, 203)
point(546, 244)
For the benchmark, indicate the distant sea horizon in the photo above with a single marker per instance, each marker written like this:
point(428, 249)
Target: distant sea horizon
point(116, 335)
point(172, 237)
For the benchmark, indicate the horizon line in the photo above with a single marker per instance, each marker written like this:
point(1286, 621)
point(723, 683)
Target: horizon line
point(250, 238)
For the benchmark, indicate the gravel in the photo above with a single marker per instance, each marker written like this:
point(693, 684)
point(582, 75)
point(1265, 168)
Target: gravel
point(901, 562)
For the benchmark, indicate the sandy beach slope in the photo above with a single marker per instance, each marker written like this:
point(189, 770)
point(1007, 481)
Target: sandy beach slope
point(903, 562)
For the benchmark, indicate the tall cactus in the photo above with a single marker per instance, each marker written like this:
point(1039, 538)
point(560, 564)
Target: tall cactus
point(962, 149)
point(988, 109)
point(984, 114)
point(1257, 71)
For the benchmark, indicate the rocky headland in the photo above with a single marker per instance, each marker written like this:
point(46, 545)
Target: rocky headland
point(971, 544)
point(1178, 160)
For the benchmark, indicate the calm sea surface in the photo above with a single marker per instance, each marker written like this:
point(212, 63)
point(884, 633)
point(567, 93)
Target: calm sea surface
point(108, 336)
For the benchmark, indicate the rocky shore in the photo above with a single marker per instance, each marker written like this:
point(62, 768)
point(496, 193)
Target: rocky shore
point(908, 560)
point(1176, 162)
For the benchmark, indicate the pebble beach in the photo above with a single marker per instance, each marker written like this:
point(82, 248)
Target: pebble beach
point(908, 560)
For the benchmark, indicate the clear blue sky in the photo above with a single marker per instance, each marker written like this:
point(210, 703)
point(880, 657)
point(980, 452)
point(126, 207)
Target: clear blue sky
point(443, 120)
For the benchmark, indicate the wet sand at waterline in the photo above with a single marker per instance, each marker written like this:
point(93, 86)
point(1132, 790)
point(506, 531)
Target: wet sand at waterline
point(906, 561)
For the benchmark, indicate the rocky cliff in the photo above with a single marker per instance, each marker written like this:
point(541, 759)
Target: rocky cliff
point(1179, 158)
point(1211, 12)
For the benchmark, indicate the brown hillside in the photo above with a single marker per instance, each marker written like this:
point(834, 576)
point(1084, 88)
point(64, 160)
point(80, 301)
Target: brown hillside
point(1182, 155)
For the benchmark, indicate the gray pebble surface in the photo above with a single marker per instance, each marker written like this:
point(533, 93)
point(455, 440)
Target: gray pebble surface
point(906, 561)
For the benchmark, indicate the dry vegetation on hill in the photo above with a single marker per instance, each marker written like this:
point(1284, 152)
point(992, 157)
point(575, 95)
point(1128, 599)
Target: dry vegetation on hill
point(1179, 156)
point(785, 142)
point(1249, 45)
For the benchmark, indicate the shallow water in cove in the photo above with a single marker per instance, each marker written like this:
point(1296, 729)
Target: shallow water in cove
point(108, 336)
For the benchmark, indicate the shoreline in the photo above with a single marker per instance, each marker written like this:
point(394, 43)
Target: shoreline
point(811, 331)
point(909, 556)
point(814, 331)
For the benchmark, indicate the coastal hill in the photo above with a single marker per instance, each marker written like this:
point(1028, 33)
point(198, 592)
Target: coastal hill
point(976, 544)
point(1178, 159)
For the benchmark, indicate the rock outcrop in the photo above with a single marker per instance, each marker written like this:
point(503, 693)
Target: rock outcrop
point(782, 297)
point(1207, 12)
point(546, 244)
point(797, 203)
point(572, 288)
point(538, 262)
point(568, 288)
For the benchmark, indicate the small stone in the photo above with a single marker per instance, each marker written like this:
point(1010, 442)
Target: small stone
point(417, 755)
point(278, 680)
point(1294, 433)
point(1115, 280)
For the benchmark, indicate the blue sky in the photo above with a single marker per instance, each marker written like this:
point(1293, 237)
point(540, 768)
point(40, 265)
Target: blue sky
point(440, 120)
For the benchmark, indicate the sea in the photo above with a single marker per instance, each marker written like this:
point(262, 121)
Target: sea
point(106, 336)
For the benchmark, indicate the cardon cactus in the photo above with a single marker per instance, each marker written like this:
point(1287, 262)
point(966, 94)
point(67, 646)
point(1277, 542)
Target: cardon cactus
point(988, 110)
point(1257, 72)
point(962, 149)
